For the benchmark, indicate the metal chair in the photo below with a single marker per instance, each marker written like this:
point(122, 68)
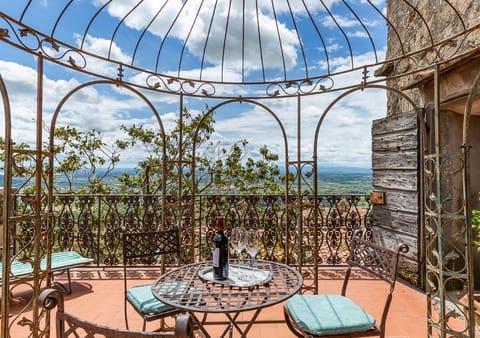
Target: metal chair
point(147, 248)
point(68, 325)
point(330, 315)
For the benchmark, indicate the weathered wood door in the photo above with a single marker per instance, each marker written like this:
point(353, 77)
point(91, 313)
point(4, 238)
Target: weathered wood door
point(396, 173)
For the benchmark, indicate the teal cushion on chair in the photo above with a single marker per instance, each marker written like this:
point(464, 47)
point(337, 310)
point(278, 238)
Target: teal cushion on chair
point(144, 301)
point(328, 314)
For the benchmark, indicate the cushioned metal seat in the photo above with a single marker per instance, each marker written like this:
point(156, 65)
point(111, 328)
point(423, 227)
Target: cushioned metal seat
point(142, 299)
point(328, 314)
point(337, 315)
point(147, 248)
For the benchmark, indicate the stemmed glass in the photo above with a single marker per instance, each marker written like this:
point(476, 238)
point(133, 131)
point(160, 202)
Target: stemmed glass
point(238, 243)
point(238, 240)
point(252, 247)
point(253, 243)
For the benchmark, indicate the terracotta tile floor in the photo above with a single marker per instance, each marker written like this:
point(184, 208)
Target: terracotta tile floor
point(98, 296)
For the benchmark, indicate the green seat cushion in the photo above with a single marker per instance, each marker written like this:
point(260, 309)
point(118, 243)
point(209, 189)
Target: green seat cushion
point(60, 261)
point(328, 314)
point(19, 269)
point(144, 301)
point(67, 259)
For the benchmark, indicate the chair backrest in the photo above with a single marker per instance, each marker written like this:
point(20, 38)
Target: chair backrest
point(68, 325)
point(146, 248)
point(377, 260)
point(371, 257)
point(149, 244)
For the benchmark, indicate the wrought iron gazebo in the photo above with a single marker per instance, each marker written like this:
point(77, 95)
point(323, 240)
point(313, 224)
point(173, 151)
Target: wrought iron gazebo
point(258, 53)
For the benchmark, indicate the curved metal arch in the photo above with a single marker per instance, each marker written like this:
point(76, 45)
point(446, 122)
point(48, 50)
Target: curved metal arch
point(36, 217)
point(364, 28)
point(423, 127)
point(207, 39)
point(340, 28)
point(133, 90)
point(299, 39)
point(106, 82)
point(466, 148)
point(76, 59)
point(338, 99)
point(6, 207)
point(280, 125)
point(145, 30)
point(119, 24)
point(322, 40)
point(227, 21)
point(160, 48)
point(182, 53)
point(255, 103)
point(90, 22)
point(65, 8)
point(279, 42)
point(277, 11)
point(430, 35)
point(6, 110)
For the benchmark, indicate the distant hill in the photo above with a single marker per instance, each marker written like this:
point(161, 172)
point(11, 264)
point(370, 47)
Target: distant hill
point(344, 170)
point(334, 179)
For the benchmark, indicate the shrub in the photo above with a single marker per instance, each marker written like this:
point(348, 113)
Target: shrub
point(476, 228)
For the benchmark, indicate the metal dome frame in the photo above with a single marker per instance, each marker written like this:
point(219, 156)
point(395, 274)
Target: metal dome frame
point(50, 42)
point(247, 77)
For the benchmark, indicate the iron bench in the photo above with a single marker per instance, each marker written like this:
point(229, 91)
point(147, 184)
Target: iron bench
point(61, 262)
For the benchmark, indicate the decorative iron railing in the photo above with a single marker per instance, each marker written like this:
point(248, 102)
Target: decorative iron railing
point(92, 224)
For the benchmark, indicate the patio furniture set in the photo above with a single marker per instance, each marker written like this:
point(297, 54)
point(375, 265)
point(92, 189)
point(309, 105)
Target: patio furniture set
point(190, 292)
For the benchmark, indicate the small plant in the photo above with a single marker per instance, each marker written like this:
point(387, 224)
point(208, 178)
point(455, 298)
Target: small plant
point(476, 227)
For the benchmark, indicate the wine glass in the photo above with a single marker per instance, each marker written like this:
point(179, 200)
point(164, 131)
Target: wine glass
point(252, 246)
point(237, 240)
point(253, 243)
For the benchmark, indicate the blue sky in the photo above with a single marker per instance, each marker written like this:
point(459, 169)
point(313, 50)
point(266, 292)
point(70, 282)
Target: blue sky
point(344, 138)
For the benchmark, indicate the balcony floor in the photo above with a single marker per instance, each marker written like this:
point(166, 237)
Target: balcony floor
point(98, 296)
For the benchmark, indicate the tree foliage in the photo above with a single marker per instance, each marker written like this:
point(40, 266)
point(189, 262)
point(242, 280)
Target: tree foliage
point(218, 168)
point(76, 154)
point(84, 152)
point(476, 228)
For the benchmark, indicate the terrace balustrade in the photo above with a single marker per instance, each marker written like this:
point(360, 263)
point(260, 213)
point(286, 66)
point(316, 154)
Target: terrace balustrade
point(91, 224)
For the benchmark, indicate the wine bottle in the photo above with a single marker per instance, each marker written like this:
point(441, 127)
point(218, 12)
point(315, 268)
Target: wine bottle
point(220, 254)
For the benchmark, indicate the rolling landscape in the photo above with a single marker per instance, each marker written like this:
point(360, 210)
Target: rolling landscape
point(331, 180)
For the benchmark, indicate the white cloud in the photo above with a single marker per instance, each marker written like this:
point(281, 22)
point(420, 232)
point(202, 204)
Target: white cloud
point(99, 107)
point(104, 47)
point(297, 6)
point(346, 127)
point(331, 47)
point(342, 21)
point(357, 34)
point(221, 48)
point(100, 46)
point(377, 3)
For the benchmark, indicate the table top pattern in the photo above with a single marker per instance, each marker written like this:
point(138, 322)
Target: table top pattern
point(183, 288)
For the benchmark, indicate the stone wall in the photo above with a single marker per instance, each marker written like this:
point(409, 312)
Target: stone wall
point(411, 34)
point(459, 63)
